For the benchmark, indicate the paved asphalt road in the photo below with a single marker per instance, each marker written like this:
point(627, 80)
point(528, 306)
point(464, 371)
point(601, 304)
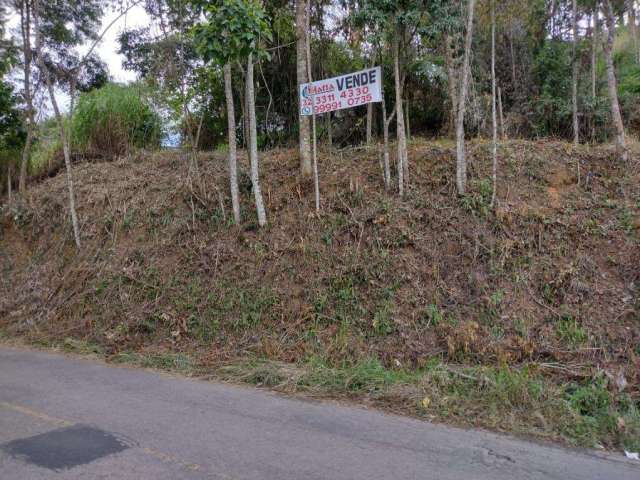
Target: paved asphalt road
point(63, 418)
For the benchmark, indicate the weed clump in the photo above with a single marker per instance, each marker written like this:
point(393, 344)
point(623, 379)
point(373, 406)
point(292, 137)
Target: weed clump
point(114, 119)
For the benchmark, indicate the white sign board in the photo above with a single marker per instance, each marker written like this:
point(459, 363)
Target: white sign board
point(346, 91)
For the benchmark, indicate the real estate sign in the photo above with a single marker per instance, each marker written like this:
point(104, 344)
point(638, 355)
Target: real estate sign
point(346, 91)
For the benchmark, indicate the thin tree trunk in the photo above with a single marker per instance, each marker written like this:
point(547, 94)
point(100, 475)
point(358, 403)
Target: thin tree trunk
point(196, 143)
point(503, 134)
point(494, 120)
point(253, 144)
point(452, 83)
point(633, 28)
point(25, 29)
point(513, 62)
point(385, 134)
point(26, 153)
point(594, 72)
point(612, 83)
point(461, 161)
point(369, 123)
point(245, 121)
point(329, 131)
point(402, 142)
point(301, 69)
point(233, 156)
point(64, 138)
point(407, 121)
point(9, 186)
point(574, 79)
point(316, 179)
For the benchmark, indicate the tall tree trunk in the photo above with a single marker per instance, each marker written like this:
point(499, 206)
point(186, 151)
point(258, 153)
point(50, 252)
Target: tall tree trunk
point(369, 123)
point(9, 186)
point(594, 72)
point(253, 144)
point(407, 120)
point(612, 82)
point(452, 83)
point(461, 161)
point(633, 28)
point(512, 51)
point(574, 79)
point(64, 138)
point(385, 135)
point(25, 30)
point(503, 133)
point(301, 68)
point(553, 9)
point(402, 141)
point(233, 156)
point(316, 179)
point(494, 119)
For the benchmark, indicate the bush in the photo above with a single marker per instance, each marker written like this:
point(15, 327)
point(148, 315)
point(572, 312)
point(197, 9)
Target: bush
point(113, 119)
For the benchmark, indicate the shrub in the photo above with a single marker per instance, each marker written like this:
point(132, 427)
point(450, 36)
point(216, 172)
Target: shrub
point(113, 119)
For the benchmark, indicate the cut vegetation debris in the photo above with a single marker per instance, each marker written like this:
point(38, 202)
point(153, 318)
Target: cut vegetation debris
point(523, 318)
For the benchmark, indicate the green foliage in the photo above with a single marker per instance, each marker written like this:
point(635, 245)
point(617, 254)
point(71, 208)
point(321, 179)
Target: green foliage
point(571, 333)
point(12, 134)
point(553, 105)
point(479, 200)
point(114, 119)
point(234, 30)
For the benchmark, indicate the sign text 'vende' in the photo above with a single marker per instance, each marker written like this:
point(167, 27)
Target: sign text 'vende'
point(346, 91)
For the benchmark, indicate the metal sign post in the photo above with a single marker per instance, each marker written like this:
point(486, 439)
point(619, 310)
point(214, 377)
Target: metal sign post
point(337, 93)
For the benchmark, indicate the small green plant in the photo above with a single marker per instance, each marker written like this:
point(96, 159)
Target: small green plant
point(432, 315)
point(253, 306)
point(383, 323)
point(571, 332)
point(478, 202)
point(591, 399)
point(127, 220)
point(625, 221)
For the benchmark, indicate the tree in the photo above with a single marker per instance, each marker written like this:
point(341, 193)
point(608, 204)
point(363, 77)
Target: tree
point(164, 56)
point(461, 161)
point(633, 28)
point(612, 83)
point(12, 135)
point(316, 179)
point(24, 9)
point(494, 120)
point(396, 22)
point(233, 32)
point(233, 156)
point(302, 25)
point(59, 27)
point(575, 72)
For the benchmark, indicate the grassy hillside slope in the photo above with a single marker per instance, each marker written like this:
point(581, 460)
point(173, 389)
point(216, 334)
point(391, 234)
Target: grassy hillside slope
point(524, 319)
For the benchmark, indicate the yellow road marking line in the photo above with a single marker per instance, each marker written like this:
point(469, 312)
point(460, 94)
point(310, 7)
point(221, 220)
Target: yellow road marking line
point(168, 458)
point(36, 414)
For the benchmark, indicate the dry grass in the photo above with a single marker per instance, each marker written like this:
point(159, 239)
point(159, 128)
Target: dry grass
point(548, 282)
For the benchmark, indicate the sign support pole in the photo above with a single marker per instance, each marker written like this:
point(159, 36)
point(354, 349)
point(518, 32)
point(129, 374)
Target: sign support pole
point(332, 94)
point(316, 180)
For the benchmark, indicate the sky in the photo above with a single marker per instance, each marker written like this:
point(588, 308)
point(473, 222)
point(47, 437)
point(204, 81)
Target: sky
point(108, 47)
point(136, 17)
